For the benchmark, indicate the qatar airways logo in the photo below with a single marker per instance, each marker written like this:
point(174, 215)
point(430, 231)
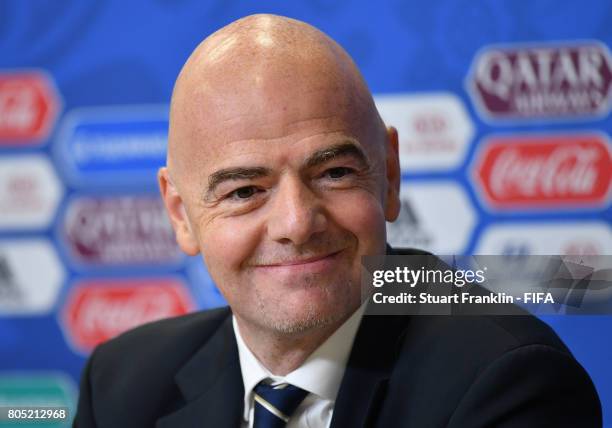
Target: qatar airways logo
point(120, 231)
point(545, 171)
point(531, 82)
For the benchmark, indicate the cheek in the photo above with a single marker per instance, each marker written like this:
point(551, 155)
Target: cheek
point(366, 221)
point(225, 245)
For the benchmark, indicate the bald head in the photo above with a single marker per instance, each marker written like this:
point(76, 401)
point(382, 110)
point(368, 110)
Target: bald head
point(258, 78)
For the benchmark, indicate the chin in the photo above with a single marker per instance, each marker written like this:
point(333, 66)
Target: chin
point(300, 325)
point(309, 313)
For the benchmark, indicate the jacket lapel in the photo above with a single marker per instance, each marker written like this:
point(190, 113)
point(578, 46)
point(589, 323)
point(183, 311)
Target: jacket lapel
point(211, 383)
point(368, 370)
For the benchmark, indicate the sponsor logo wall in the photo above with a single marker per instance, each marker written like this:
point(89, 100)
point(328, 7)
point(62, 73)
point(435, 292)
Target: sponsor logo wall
point(31, 276)
point(29, 106)
point(435, 216)
point(504, 149)
point(116, 231)
point(30, 192)
point(435, 130)
point(556, 80)
point(98, 310)
point(544, 171)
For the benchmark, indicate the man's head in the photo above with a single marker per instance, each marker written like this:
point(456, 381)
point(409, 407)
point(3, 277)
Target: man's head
point(280, 172)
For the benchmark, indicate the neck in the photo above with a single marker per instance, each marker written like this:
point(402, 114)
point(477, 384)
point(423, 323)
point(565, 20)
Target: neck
point(282, 353)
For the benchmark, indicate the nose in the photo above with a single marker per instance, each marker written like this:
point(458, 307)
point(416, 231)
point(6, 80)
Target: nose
point(296, 213)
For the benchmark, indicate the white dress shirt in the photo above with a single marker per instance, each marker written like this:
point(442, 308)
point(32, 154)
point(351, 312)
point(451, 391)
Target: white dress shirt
point(320, 375)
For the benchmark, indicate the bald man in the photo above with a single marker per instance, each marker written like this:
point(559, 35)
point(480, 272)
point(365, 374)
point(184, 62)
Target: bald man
point(281, 174)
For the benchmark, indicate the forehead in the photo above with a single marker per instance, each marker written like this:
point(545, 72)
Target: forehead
point(248, 102)
point(292, 149)
point(264, 118)
point(274, 106)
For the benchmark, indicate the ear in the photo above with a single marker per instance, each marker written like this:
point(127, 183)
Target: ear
point(392, 203)
point(185, 237)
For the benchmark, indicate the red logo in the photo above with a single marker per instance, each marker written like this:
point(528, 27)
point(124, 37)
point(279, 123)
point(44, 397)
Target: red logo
point(97, 311)
point(542, 81)
point(28, 107)
point(546, 171)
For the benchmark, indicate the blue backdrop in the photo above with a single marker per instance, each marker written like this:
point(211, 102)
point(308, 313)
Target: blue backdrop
point(487, 97)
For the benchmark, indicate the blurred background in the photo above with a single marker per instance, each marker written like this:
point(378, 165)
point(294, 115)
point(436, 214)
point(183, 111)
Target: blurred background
point(503, 112)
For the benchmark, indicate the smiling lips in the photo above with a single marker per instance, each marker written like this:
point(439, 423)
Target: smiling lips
point(304, 261)
point(310, 265)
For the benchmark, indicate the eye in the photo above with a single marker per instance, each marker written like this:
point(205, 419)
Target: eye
point(243, 192)
point(338, 172)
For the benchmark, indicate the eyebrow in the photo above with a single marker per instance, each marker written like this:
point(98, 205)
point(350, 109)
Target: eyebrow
point(336, 151)
point(315, 159)
point(235, 173)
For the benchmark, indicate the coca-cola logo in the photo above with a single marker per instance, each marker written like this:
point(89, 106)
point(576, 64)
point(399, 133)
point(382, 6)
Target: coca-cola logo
point(120, 231)
point(545, 171)
point(28, 107)
point(523, 82)
point(97, 311)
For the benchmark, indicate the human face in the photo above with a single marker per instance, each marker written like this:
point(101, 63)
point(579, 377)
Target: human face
point(282, 214)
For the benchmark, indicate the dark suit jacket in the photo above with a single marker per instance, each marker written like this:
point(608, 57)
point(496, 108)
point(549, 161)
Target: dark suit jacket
point(420, 371)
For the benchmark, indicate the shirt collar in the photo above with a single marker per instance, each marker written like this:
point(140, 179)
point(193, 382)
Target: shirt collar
point(321, 373)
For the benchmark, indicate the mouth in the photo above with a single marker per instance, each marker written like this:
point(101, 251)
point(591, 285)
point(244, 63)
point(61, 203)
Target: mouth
point(315, 264)
point(302, 261)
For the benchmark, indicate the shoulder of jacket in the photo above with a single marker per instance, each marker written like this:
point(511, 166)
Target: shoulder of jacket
point(173, 338)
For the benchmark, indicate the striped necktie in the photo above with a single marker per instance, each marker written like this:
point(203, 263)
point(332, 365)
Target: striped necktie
point(275, 404)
